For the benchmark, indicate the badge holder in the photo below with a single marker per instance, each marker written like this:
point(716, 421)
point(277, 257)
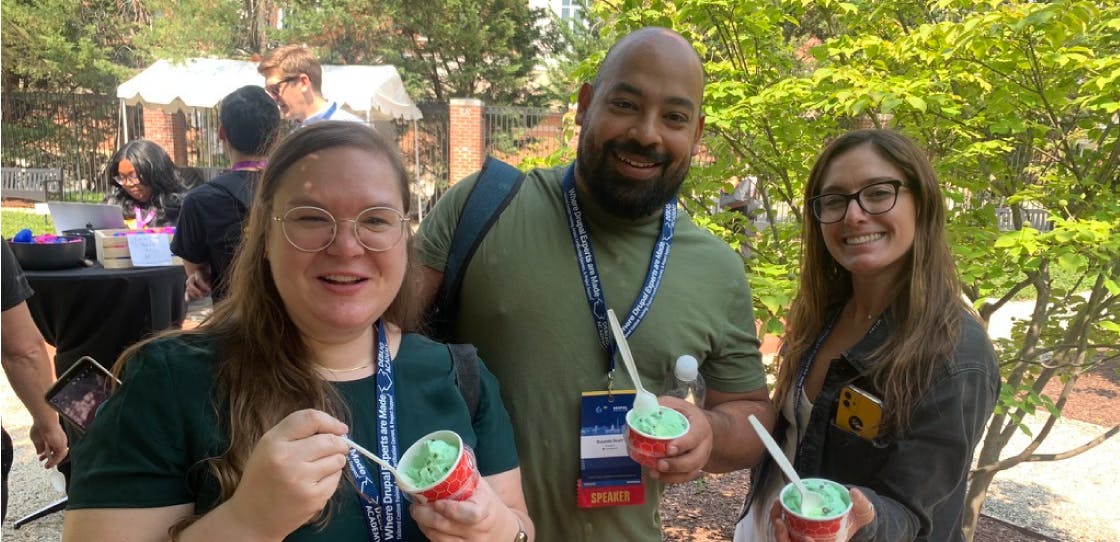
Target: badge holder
point(607, 475)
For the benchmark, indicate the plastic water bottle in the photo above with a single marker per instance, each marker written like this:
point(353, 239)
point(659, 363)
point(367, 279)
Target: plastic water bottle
point(686, 382)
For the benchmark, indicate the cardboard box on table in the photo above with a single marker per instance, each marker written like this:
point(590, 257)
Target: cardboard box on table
point(113, 251)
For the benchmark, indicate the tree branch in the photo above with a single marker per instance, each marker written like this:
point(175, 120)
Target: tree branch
point(1078, 450)
point(1023, 458)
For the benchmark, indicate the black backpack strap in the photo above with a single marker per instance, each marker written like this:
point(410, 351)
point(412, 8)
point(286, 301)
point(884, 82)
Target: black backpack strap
point(464, 359)
point(497, 183)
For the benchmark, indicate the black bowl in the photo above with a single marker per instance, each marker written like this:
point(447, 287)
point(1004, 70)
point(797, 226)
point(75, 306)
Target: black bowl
point(39, 257)
point(87, 234)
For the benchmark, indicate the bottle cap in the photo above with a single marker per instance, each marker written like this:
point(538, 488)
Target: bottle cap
point(686, 368)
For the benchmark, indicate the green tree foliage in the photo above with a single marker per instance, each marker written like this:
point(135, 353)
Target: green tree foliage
point(576, 40)
point(68, 45)
point(182, 29)
point(1018, 104)
point(94, 45)
point(444, 49)
point(342, 31)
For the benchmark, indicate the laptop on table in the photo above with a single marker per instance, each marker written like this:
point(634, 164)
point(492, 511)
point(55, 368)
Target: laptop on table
point(95, 216)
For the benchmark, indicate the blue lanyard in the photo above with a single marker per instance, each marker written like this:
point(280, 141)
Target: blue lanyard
point(592, 284)
point(807, 363)
point(382, 504)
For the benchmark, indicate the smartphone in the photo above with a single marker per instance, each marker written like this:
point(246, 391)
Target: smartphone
point(79, 392)
point(859, 412)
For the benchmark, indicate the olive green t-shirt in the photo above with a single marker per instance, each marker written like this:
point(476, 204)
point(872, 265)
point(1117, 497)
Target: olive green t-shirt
point(146, 446)
point(523, 306)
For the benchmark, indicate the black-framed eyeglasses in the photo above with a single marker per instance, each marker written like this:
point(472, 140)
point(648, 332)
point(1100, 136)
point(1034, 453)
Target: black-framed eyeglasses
point(132, 179)
point(311, 229)
point(274, 89)
point(874, 199)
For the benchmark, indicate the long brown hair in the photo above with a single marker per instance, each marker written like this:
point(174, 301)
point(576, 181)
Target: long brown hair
point(262, 373)
point(924, 316)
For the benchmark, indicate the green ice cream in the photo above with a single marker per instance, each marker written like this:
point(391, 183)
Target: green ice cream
point(663, 422)
point(834, 499)
point(432, 463)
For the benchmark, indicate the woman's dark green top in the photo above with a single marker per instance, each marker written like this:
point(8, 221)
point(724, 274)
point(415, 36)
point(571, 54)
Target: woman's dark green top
point(147, 446)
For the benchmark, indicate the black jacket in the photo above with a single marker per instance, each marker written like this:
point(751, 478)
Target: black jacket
point(916, 481)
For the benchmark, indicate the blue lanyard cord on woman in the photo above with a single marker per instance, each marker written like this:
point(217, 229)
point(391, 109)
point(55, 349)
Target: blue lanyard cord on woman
point(592, 284)
point(381, 500)
point(807, 364)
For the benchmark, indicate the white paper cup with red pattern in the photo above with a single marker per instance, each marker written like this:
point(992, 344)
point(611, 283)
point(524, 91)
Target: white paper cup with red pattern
point(440, 475)
point(831, 524)
point(646, 447)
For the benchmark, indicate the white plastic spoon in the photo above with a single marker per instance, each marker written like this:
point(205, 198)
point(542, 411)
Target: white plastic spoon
point(645, 402)
point(810, 502)
point(401, 481)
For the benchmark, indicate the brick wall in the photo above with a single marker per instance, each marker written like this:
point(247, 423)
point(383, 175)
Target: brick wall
point(466, 141)
point(168, 130)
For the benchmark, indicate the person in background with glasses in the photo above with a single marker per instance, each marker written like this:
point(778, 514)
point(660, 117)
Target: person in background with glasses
point(143, 181)
point(233, 430)
point(294, 78)
point(886, 376)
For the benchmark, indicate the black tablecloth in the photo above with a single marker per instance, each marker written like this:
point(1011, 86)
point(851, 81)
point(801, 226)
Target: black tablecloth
point(97, 312)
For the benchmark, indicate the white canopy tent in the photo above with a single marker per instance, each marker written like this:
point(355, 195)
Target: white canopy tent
point(375, 92)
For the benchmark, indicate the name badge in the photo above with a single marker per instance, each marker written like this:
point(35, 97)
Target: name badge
point(607, 475)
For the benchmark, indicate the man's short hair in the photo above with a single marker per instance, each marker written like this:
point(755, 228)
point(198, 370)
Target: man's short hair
point(250, 119)
point(293, 60)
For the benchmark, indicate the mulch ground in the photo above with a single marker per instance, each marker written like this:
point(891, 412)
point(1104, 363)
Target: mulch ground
point(706, 510)
point(20, 203)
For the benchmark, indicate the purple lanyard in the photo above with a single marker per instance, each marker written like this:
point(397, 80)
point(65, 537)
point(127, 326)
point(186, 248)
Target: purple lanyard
point(142, 219)
point(381, 500)
point(592, 284)
point(250, 165)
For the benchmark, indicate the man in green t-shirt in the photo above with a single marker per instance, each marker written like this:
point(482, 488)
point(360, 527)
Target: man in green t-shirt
point(605, 232)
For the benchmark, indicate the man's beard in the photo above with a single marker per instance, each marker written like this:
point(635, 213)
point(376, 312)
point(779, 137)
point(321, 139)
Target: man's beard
point(619, 195)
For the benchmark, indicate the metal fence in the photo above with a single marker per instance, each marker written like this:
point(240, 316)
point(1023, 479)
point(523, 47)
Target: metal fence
point(426, 149)
point(75, 133)
point(78, 133)
point(204, 150)
point(514, 134)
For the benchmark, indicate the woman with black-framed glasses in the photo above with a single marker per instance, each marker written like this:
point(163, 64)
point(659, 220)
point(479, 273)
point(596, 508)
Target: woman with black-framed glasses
point(233, 430)
point(886, 377)
point(143, 181)
point(874, 198)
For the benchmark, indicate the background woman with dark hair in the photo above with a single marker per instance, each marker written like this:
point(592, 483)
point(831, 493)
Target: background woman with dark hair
point(144, 183)
point(879, 310)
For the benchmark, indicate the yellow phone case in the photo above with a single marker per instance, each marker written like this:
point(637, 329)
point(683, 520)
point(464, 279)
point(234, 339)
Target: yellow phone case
point(859, 412)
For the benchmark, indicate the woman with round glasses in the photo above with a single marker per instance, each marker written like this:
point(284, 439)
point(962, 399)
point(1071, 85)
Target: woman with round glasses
point(233, 430)
point(886, 377)
point(143, 181)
